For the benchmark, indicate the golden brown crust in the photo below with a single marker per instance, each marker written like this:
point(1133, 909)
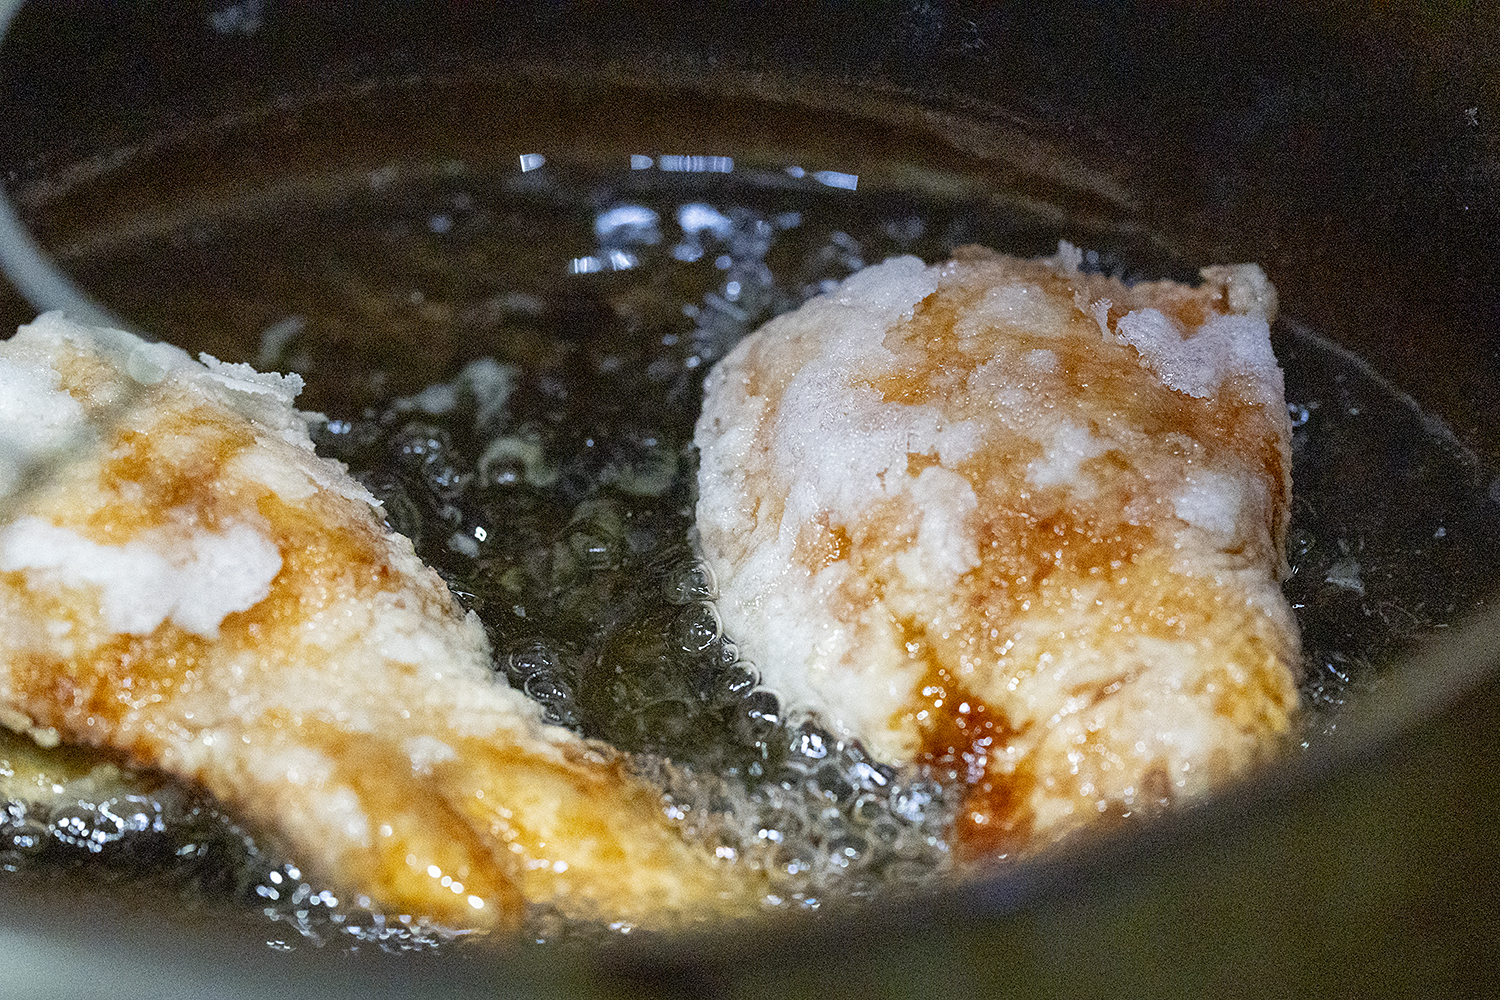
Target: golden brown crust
point(346, 708)
point(1003, 518)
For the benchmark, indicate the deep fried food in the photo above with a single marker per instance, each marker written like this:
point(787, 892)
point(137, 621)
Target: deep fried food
point(1016, 521)
point(190, 587)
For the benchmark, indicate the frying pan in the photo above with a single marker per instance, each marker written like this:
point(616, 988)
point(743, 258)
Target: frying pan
point(1353, 152)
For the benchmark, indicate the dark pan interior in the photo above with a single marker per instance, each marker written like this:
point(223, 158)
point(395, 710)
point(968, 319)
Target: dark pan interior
point(1356, 159)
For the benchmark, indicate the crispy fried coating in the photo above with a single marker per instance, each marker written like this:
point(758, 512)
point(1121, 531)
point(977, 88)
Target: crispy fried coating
point(191, 588)
point(1018, 522)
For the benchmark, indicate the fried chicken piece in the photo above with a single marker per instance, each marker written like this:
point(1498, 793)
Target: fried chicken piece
point(191, 588)
point(1018, 522)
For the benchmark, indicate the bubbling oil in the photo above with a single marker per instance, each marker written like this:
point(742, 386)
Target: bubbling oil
point(512, 360)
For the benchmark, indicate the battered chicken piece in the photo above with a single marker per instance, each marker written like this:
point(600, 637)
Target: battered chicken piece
point(193, 589)
point(1018, 522)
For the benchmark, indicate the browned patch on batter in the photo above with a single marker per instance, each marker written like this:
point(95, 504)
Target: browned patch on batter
point(325, 551)
point(580, 830)
point(415, 829)
point(918, 342)
point(929, 363)
point(91, 380)
point(916, 464)
point(960, 736)
point(152, 486)
point(90, 697)
point(820, 545)
point(541, 812)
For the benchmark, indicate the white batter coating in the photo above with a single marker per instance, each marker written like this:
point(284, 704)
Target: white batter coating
point(1019, 522)
point(191, 587)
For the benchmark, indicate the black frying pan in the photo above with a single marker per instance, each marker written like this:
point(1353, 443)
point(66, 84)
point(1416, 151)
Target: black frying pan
point(1355, 158)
